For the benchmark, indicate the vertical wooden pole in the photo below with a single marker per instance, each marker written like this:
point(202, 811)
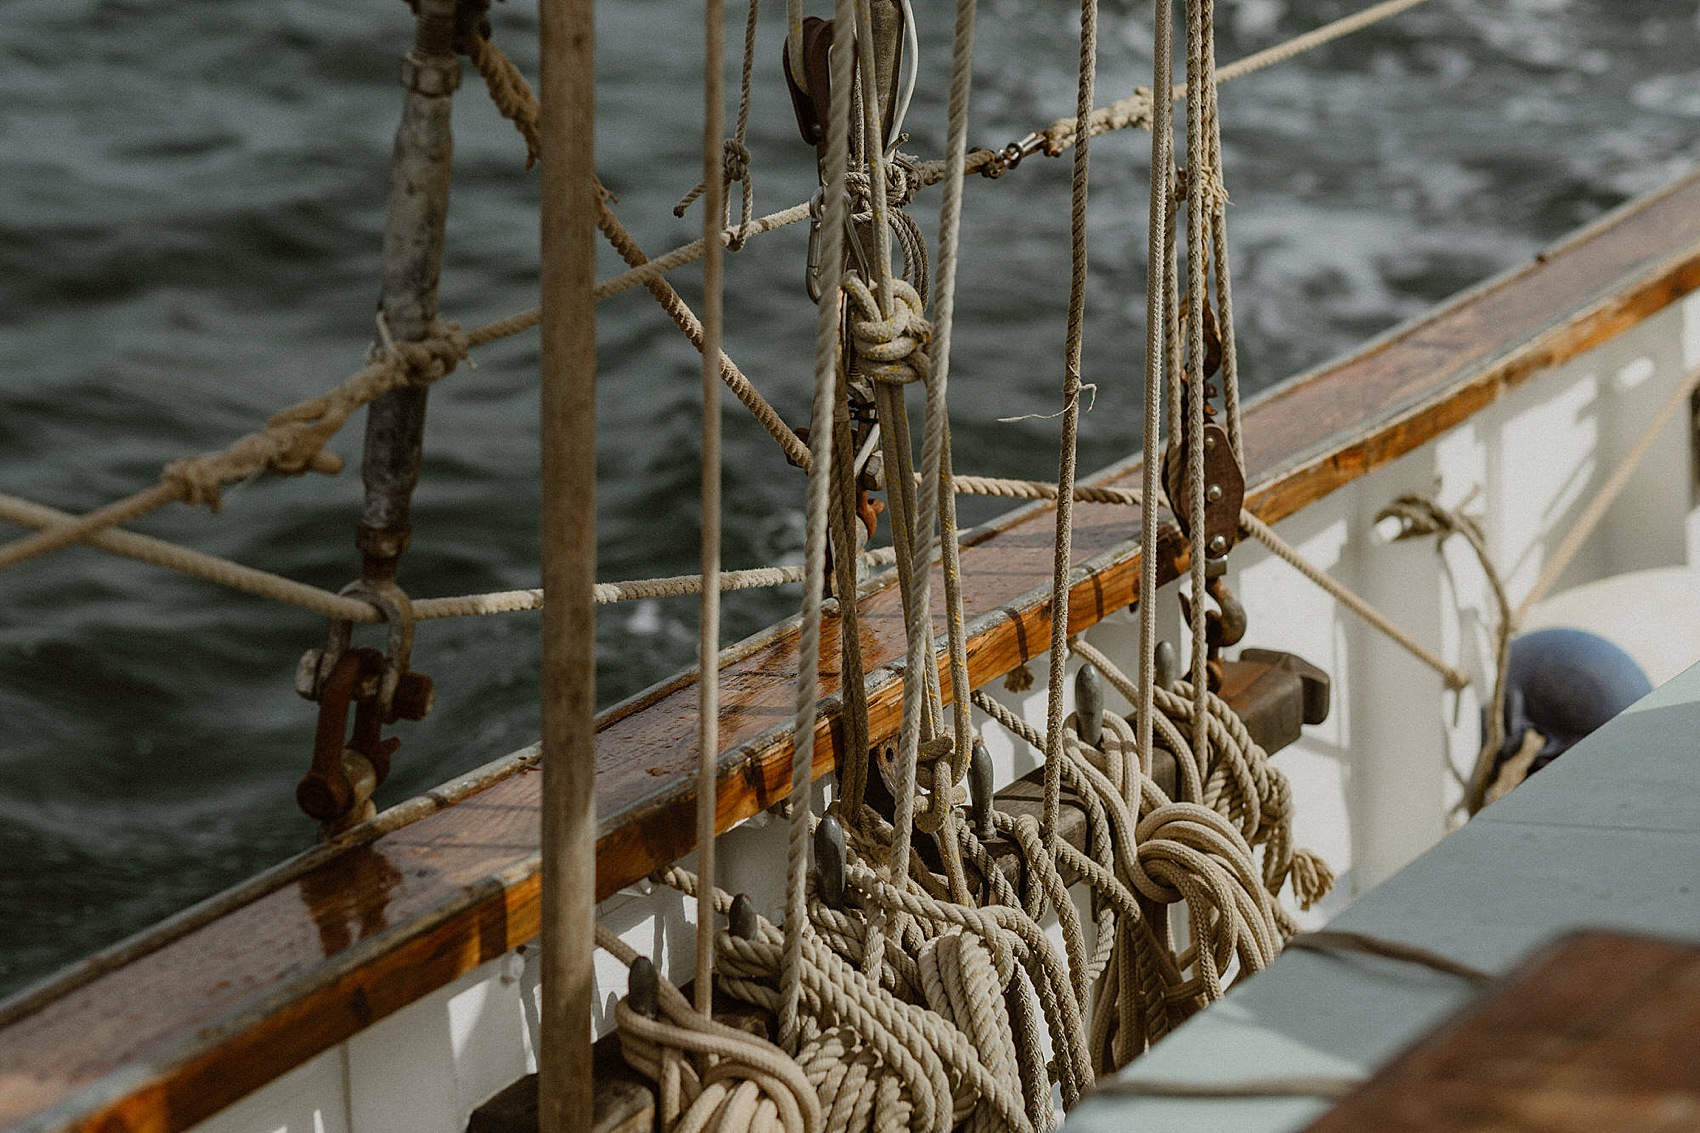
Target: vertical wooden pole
point(568, 81)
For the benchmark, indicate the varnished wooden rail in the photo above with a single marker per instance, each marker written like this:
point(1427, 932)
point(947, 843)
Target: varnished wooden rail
point(183, 1030)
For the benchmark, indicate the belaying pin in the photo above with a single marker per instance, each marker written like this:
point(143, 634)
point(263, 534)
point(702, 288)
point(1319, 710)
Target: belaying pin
point(980, 792)
point(1089, 706)
point(830, 852)
point(742, 919)
point(1166, 666)
point(643, 988)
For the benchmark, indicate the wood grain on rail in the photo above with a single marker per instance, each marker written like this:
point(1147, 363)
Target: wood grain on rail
point(207, 1017)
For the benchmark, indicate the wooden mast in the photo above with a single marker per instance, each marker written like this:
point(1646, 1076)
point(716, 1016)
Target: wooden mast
point(568, 87)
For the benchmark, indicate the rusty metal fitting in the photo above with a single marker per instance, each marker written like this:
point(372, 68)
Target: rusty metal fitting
point(434, 76)
point(325, 792)
point(393, 605)
point(380, 547)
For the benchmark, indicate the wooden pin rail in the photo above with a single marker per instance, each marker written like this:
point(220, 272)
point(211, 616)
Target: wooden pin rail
point(205, 1018)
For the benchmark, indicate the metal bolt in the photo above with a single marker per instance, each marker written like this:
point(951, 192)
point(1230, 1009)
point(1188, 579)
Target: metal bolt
point(1209, 441)
point(1213, 493)
point(1218, 546)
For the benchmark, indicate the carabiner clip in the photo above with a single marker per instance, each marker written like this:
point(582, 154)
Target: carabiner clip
point(1010, 156)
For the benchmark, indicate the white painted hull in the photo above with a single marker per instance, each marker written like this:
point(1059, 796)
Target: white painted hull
point(1373, 786)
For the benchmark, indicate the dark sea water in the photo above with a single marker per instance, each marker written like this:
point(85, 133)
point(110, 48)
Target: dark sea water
point(191, 209)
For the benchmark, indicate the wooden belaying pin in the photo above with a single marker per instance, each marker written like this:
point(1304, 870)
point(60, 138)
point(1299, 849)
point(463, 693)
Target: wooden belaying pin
point(1166, 666)
point(980, 794)
point(643, 988)
point(742, 920)
point(830, 853)
point(1089, 705)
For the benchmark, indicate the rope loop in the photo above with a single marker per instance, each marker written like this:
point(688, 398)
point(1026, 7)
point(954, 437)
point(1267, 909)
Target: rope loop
point(889, 348)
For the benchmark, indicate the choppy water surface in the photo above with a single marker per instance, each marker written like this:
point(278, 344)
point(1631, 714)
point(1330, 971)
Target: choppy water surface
point(191, 207)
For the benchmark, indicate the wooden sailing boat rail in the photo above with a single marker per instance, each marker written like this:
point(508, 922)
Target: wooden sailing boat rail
point(175, 1034)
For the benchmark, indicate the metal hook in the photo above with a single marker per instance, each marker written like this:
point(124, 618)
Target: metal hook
point(391, 601)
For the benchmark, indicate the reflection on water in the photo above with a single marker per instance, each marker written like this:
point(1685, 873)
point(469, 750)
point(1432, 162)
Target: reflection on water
point(190, 221)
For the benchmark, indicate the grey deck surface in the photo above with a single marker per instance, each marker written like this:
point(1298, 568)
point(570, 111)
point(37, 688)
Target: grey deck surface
point(1608, 836)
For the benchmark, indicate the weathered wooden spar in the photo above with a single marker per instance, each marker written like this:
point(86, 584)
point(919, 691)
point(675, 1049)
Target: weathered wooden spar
point(568, 877)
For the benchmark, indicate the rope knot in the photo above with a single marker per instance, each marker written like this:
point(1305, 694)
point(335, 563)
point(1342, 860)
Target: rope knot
point(422, 361)
point(889, 348)
point(735, 160)
point(934, 765)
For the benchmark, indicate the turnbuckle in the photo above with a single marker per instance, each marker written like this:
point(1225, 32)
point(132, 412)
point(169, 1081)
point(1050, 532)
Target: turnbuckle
point(379, 688)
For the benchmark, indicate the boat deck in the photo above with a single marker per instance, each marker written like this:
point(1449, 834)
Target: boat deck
point(1607, 837)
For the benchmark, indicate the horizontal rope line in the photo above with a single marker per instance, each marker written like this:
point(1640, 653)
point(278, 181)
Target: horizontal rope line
point(265, 584)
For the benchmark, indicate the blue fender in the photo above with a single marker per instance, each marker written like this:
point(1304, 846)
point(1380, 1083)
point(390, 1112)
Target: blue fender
point(1564, 683)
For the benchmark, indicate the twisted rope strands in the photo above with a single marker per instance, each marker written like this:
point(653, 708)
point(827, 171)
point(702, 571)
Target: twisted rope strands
point(264, 584)
point(741, 132)
point(1115, 116)
point(708, 621)
point(196, 564)
point(1200, 172)
point(1157, 315)
point(936, 458)
point(820, 482)
point(1138, 110)
point(292, 443)
point(1070, 427)
point(509, 91)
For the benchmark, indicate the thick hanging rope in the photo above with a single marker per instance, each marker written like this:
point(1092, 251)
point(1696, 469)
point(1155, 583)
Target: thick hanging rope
point(1157, 321)
point(1070, 425)
point(652, 1046)
point(826, 396)
point(509, 91)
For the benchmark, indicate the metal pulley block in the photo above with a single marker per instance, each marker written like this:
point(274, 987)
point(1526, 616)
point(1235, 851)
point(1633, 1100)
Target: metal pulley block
point(809, 91)
point(1224, 494)
point(1224, 478)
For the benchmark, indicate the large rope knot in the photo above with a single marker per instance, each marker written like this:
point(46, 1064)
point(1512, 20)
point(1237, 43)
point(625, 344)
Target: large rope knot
point(293, 441)
point(889, 348)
